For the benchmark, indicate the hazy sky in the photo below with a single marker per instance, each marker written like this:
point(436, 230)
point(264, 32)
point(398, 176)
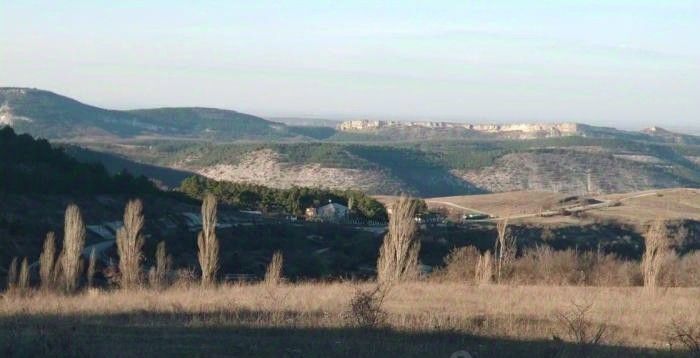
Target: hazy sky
point(626, 63)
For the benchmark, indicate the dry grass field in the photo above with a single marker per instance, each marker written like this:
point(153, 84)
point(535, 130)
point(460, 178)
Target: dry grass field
point(634, 208)
point(668, 204)
point(314, 319)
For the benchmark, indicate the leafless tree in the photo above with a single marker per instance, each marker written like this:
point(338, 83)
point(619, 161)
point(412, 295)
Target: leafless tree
point(207, 242)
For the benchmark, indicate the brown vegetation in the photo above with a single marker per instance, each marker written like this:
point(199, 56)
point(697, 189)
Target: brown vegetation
point(398, 255)
point(130, 241)
point(273, 274)
point(73, 243)
point(47, 262)
point(207, 242)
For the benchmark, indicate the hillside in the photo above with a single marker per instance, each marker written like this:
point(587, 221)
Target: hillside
point(49, 115)
point(574, 165)
point(30, 166)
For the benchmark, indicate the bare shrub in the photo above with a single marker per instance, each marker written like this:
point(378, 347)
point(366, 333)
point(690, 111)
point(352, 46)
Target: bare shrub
point(47, 262)
point(91, 267)
point(542, 265)
point(608, 270)
point(687, 335)
point(656, 252)
point(158, 274)
point(504, 249)
point(184, 278)
point(460, 265)
point(12, 275)
point(581, 330)
point(483, 273)
point(130, 242)
point(687, 270)
point(273, 274)
point(73, 243)
point(207, 242)
point(366, 307)
point(398, 255)
point(23, 278)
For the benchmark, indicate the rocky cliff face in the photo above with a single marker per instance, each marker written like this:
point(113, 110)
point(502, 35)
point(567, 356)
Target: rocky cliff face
point(517, 130)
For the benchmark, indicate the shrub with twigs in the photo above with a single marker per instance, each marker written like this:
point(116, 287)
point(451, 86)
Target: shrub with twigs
point(207, 242)
point(686, 335)
point(398, 255)
point(73, 244)
point(581, 330)
point(366, 307)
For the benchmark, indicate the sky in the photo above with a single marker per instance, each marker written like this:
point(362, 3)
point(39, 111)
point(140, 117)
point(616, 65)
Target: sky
point(629, 64)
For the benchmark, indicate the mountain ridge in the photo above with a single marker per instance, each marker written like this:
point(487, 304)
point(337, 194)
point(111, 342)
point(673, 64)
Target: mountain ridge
point(50, 115)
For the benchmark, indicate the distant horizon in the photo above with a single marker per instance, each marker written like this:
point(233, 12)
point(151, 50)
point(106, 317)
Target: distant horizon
point(691, 129)
point(620, 63)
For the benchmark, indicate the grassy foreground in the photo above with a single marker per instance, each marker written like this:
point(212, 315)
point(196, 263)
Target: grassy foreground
point(314, 320)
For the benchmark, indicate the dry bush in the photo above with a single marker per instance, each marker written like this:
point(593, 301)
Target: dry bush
point(656, 252)
point(687, 270)
point(685, 334)
point(543, 265)
point(158, 275)
point(366, 307)
point(460, 265)
point(184, 278)
point(483, 272)
point(91, 267)
point(12, 275)
point(504, 250)
point(73, 243)
point(47, 262)
point(581, 330)
point(273, 274)
point(130, 242)
point(207, 242)
point(608, 270)
point(398, 255)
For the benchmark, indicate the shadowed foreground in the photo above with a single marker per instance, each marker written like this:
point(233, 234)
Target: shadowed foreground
point(312, 320)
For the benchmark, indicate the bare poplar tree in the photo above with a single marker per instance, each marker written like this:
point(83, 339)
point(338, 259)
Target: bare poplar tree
point(484, 269)
point(73, 244)
point(12, 275)
point(504, 249)
point(273, 275)
point(130, 242)
point(207, 242)
point(23, 279)
point(47, 262)
point(657, 249)
point(398, 255)
point(159, 272)
point(91, 267)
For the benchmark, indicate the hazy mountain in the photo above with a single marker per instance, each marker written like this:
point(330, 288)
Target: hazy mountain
point(49, 115)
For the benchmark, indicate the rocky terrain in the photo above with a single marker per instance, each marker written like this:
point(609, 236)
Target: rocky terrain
point(573, 171)
point(265, 167)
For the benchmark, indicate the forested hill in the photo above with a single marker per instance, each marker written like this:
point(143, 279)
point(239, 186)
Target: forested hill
point(31, 166)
